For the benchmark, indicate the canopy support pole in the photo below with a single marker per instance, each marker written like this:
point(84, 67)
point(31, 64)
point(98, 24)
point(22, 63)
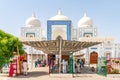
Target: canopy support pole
point(60, 54)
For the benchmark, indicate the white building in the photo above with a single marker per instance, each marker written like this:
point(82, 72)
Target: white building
point(86, 29)
point(62, 25)
point(31, 30)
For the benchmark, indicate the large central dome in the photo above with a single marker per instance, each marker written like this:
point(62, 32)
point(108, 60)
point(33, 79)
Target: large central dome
point(33, 22)
point(59, 16)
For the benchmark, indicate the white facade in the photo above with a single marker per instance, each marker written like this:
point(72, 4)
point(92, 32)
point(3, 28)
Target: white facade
point(85, 29)
point(33, 29)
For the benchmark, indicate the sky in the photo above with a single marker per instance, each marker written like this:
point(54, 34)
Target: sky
point(104, 13)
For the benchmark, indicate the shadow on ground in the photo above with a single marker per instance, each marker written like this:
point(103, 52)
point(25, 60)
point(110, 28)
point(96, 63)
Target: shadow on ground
point(87, 70)
point(38, 73)
point(33, 74)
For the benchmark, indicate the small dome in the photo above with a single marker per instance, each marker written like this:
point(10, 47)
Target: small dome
point(85, 21)
point(33, 22)
point(59, 16)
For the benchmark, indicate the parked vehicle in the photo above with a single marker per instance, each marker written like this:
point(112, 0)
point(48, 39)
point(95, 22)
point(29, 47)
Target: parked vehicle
point(5, 68)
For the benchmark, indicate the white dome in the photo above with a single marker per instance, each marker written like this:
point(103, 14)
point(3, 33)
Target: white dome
point(33, 22)
point(59, 16)
point(85, 21)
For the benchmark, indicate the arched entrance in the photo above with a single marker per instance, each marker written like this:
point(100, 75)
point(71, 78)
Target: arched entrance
point(108, 55)
point(93, 57)
point(58, 32)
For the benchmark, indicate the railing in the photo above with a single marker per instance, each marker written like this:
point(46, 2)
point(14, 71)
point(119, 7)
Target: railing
point(114, 64)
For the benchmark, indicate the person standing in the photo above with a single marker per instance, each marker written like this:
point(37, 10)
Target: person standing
point(39, 63)
point(44, 62)
point(25, 67)
point(82, 63)
point(78, 65)
point(52, 65)
point(35, 63)
point(64, 66)
point(11, 70)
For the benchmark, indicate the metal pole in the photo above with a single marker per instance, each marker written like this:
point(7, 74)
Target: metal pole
point(49, 64)
point(88, 57)
point(31, 57)
point(60, 56)
point(115, 51)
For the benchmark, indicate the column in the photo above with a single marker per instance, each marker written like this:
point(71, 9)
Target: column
point(60, 39)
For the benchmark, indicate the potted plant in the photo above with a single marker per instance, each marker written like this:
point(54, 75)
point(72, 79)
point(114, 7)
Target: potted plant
point(116, 62)
point(113, 61)
point(114, 71)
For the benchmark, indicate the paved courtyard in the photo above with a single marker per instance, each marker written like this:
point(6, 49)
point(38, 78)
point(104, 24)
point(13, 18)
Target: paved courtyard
point(42, 74)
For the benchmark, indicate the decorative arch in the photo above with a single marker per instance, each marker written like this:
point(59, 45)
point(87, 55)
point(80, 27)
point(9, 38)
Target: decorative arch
point(108, 54)
point(59, 32)
point(66, 24)
point(93, 57)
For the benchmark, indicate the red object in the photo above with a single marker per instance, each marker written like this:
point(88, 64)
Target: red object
point(15, 66)
point(21, 58)
point(109, 69)
point(93, 57)
point(109, 65)
point(45, 62)
point(11, 71)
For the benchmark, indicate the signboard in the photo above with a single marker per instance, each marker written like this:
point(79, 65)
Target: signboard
point(71, 63)
point(101, 68)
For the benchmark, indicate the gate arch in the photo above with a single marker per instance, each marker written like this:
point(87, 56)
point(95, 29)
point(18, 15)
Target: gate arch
point(108, 55)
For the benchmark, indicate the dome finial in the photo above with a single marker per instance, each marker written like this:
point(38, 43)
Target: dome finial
point(33, 15)
point(85, 15)
point(59, 16)
point(59, 11)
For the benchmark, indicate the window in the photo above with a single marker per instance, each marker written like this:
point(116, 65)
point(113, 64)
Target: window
point(88, 35)
point(30, 35)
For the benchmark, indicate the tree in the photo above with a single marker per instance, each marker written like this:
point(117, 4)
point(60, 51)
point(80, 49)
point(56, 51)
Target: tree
point(8, 44)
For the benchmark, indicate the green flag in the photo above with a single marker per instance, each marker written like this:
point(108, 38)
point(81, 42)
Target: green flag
point(71, 63)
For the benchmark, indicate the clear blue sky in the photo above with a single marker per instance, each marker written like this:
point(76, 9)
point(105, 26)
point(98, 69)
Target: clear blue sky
point(105, 14)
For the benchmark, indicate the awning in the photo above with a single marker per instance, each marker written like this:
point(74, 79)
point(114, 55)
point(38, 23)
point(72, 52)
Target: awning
point(53, 46)
point(78, 56)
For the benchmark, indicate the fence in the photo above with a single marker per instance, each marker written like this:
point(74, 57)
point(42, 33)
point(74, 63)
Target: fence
point(114, 65)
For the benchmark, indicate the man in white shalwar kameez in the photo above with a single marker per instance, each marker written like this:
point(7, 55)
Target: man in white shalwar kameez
point(25, 67)
point(64, 66)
